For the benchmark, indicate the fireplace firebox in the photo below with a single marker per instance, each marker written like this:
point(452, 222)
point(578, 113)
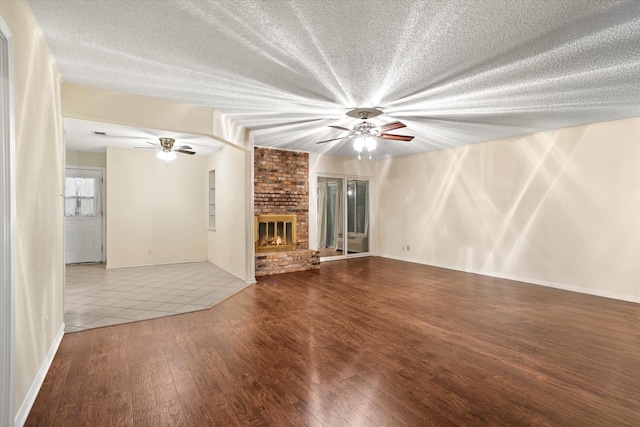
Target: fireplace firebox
point(274, 233)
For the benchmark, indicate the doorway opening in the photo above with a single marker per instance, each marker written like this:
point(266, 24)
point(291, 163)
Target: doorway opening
point(84, 215)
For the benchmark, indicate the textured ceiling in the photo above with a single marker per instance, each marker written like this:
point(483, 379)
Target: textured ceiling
point(455, 72)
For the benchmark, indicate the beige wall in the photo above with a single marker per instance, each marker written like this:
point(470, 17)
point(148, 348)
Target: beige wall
point(157, 207)
point(228, 242)
point(39, 183)
point(332, 165)
point(560, 208)
point(86, 159)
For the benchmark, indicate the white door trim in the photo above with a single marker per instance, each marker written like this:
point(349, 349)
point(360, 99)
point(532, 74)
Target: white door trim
point(7, 229)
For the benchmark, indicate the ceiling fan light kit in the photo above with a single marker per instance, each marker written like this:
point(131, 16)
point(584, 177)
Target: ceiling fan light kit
point(364, 134)
point(166, 155)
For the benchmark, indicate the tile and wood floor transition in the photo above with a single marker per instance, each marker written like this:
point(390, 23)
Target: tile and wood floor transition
point(95, 296)
point(360, 342)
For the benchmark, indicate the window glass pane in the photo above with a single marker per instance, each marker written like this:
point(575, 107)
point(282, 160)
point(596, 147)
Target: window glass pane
point(351, 210)
point(70, 206)
point(331, 215)
point(87, 207)
point(70, 187)
point(361, 206)
point(86, 187)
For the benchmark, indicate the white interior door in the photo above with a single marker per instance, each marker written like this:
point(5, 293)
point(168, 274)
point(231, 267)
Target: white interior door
point(83, 215)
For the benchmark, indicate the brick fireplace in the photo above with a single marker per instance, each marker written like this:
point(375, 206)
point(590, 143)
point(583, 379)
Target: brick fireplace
point(281, 188)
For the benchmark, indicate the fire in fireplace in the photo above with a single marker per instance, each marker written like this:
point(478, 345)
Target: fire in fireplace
point(275, 233)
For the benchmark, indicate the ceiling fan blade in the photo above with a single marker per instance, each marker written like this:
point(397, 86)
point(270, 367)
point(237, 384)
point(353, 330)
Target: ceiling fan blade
point(396, 137)
point(183, 147)
point(191, 153)
point(391, 126)
point(340, 127)
point(329, 140)
point(148, 148)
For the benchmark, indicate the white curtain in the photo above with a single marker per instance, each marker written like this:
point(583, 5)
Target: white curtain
point(322, 215)
point(339, 220)
point(87, 194)
point(70, 193)
point(82, 191)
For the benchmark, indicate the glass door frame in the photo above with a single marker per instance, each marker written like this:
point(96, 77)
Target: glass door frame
point(345, 181)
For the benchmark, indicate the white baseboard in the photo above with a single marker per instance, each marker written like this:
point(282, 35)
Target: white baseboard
point(30, 398)
point(588, 291)
point(571, 288)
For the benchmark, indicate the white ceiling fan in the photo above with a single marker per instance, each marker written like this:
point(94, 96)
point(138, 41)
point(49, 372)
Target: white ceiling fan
point(167, 149)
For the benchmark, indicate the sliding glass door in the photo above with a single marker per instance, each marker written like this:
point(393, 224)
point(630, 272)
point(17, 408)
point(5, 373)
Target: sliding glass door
point(340, 210)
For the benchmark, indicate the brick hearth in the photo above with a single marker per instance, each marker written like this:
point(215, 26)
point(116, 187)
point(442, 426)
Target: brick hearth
point(287, 262)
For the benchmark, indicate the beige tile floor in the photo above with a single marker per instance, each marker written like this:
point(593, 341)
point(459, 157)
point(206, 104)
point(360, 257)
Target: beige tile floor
point(95, 296)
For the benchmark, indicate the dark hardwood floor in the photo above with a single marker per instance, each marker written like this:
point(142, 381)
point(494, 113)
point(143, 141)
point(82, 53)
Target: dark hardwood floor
point(363, 342)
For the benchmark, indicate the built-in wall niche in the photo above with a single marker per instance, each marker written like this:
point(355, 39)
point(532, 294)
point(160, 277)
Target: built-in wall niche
point(212, 199)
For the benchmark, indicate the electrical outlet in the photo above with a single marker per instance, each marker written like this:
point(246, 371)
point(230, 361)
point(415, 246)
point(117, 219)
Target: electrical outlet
point(407, 248)
point(403, 247)
point(150, 252)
